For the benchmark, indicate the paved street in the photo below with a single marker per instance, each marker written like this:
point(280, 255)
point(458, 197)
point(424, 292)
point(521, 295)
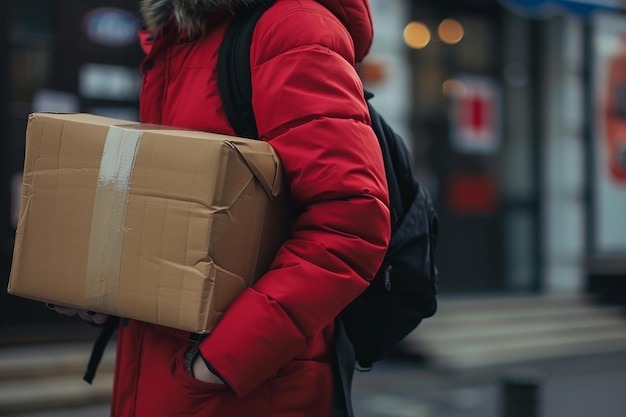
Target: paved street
point(583, 387)
point(474, 349)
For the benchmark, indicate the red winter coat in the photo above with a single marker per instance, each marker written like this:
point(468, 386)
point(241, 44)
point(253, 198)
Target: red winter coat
point(273, 346)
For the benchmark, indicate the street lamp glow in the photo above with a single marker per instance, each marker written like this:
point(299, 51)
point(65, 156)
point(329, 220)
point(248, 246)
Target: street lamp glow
point(416, 35)
point(450, 31)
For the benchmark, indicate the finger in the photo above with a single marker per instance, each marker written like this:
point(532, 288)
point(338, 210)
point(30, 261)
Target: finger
point(93, 317)
point(87, 315)
point(66, 310)
point(100, 318)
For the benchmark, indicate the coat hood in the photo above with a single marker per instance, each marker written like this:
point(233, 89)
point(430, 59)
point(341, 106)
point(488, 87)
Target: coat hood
point(191, 16)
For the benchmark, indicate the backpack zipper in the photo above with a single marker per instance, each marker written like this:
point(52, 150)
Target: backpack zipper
point(388, 278)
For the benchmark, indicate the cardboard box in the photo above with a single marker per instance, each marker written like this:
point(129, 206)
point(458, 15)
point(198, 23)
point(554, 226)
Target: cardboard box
point(146, 222)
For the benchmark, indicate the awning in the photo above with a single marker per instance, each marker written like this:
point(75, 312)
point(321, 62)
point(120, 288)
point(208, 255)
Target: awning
point(550, 7)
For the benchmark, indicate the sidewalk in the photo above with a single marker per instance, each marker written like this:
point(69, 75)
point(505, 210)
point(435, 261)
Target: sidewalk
point(580, 387)
point(471, 347)
point(49, 377)
point(584, 387)
point(573, 348)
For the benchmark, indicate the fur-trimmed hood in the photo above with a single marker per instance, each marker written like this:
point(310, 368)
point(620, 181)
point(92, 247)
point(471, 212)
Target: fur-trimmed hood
point(191, 15)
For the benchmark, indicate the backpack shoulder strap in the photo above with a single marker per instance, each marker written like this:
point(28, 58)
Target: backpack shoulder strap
point(388, 140)
point(108, 328)
point(233, 70)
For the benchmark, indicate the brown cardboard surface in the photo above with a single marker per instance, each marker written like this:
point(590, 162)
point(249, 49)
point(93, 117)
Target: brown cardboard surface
point(197, 219)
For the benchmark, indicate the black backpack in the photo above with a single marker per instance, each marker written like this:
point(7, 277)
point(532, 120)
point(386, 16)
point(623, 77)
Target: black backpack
point(405, 288)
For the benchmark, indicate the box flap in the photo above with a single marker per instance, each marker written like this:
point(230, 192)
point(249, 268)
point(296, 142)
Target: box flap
point(264, 163)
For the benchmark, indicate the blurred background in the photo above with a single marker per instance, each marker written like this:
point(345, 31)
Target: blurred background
point(515, 111)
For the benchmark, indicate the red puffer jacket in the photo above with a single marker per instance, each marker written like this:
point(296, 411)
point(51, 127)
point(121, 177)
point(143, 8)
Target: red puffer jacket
point(273, 346)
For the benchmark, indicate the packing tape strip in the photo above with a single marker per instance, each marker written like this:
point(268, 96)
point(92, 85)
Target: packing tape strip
point(109, 215)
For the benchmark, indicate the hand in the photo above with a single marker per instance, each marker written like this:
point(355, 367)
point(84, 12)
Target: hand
point(88, 316)
point(202, 373)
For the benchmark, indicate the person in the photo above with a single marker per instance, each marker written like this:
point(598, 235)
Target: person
point(271, 354)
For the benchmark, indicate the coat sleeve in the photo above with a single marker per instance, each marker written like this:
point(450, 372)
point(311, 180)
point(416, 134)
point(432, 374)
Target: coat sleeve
point(309, 105)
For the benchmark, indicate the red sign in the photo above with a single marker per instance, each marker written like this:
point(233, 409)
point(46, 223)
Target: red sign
point(475, 121)
point(474, 194)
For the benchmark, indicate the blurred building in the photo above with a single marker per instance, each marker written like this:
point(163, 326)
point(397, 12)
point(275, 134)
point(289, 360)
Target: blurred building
point(514, 111)
point(62, 56)
point(516, 125)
